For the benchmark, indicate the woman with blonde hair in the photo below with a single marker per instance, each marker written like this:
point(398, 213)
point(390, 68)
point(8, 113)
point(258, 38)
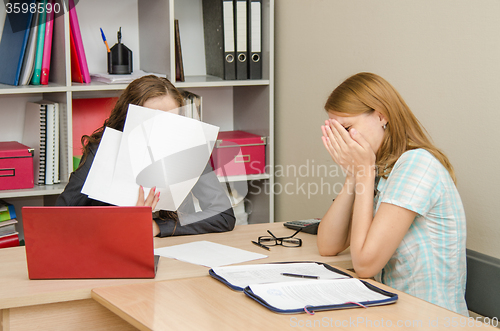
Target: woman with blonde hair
point(399, 210)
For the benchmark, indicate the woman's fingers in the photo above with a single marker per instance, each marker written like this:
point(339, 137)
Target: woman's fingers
point(140, 199)
point(151, 200)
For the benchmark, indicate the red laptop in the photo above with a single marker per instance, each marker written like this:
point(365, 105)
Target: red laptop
point(89, 242)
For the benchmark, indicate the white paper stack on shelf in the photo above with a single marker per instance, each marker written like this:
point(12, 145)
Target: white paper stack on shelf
point(121, 79)
point(156, 149)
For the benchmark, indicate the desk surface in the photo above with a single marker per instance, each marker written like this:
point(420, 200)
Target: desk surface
point(16, 290)
point(206, 304)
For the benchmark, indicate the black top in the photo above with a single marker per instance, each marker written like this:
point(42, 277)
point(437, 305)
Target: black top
point(216, 213)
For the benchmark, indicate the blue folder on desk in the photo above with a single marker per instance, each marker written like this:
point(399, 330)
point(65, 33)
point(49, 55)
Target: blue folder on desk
point(15, 37)
point(328, 289)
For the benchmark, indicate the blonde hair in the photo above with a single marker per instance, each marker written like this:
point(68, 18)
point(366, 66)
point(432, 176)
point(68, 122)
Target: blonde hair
point(366, 92)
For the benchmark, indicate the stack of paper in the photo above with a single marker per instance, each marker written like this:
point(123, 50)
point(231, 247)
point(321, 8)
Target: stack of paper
point(156, 149)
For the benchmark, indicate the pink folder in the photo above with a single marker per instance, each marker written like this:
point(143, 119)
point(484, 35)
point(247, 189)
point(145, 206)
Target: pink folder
point(47, 47)
point(80, 52)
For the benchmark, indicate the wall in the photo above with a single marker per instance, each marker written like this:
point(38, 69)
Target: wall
point(442, 56)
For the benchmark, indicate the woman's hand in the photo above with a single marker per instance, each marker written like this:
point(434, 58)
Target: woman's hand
point(348, 149)
point(151, 200)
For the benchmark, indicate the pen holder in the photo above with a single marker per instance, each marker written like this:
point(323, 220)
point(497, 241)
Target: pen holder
point(120, 60)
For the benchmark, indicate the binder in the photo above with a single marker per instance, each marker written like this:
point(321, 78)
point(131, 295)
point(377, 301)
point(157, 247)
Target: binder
point(52, 144)
point(29, 56)
point(329, 283)
point(218, 26)
point(241, 39)
point(34, 135)
point(47, 46)
point(370, 295)
point(15, 37)
point(37, 71)
point(255, 39)
point(77, 36)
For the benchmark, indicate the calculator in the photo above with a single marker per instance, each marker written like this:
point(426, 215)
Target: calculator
point(307, 226)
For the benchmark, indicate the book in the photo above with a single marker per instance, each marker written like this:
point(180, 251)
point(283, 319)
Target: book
point(15, 36)
point(52, 144)
point(76, 71)
point(47, 47)
point(37, 70)
point(29, 56)
point(297, 287)
point(11, 240)
point(34, 135)
point(77, 37)
point(8, 227)
point(192, 104)
point(179, 66)
point(7, 211)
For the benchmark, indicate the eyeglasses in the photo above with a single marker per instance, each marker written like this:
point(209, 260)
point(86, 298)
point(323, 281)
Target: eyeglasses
point(283, 241)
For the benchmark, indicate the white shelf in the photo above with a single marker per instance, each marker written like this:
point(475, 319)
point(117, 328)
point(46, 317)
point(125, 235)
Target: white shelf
point(38, 190)
point(28, 89)
point(242, 178)
point(246, 105)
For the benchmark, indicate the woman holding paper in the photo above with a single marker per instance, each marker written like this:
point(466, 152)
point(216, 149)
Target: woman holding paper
point(216, 213)
point(399, 210)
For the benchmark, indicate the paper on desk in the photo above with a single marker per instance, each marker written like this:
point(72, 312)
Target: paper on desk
point(156, 149)
point(297, 295)
point(244, 275)
point(208, 254)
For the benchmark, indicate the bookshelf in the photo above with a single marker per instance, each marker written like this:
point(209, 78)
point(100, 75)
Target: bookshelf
point(148, 30)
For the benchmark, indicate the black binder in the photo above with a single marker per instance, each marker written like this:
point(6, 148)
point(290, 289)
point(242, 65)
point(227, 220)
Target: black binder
point(218, 26)
point(255, 39)
point(241, 17)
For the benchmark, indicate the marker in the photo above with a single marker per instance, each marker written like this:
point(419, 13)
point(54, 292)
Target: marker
point(104, 39)
point(260, 245)
point(299, 276)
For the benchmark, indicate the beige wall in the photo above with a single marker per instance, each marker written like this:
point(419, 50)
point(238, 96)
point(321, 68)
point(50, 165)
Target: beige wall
point(444, 58)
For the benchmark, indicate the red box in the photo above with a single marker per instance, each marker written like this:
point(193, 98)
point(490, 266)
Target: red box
point(239, 153)
point(16, 166)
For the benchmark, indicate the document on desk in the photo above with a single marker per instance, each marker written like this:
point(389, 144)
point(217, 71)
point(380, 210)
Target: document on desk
point(239, 277)
point(156, 149)
point(208, 254)
point(315, 293)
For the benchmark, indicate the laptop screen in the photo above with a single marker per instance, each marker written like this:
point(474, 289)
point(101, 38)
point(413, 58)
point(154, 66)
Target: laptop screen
point(89, 242)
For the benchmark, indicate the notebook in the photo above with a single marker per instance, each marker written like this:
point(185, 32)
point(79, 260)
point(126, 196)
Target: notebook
point(89, 242)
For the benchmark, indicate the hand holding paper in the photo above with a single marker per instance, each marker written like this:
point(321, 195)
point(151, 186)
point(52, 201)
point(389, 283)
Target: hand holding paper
point(156, 149)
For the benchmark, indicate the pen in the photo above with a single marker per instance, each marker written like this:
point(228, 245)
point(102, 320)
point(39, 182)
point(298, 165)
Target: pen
point(260, 245)
point(104, 39)
point(299, 276)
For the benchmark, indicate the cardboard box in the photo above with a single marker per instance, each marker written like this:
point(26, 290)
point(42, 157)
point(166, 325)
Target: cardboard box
point(239, 153)
point(16, 166)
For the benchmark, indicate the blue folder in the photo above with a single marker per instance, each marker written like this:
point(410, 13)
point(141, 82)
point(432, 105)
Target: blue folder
point(13, 44)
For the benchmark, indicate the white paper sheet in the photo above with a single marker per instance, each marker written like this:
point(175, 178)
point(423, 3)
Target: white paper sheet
point(156, 149)
point(244, 275)
point(297, 295)
point(208, 254)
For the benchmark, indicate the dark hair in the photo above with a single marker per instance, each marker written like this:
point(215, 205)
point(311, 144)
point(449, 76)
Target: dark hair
point(136, 93)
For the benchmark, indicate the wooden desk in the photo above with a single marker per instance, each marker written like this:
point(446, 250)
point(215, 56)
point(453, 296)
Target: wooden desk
point(67, 305)
point(206, 304)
